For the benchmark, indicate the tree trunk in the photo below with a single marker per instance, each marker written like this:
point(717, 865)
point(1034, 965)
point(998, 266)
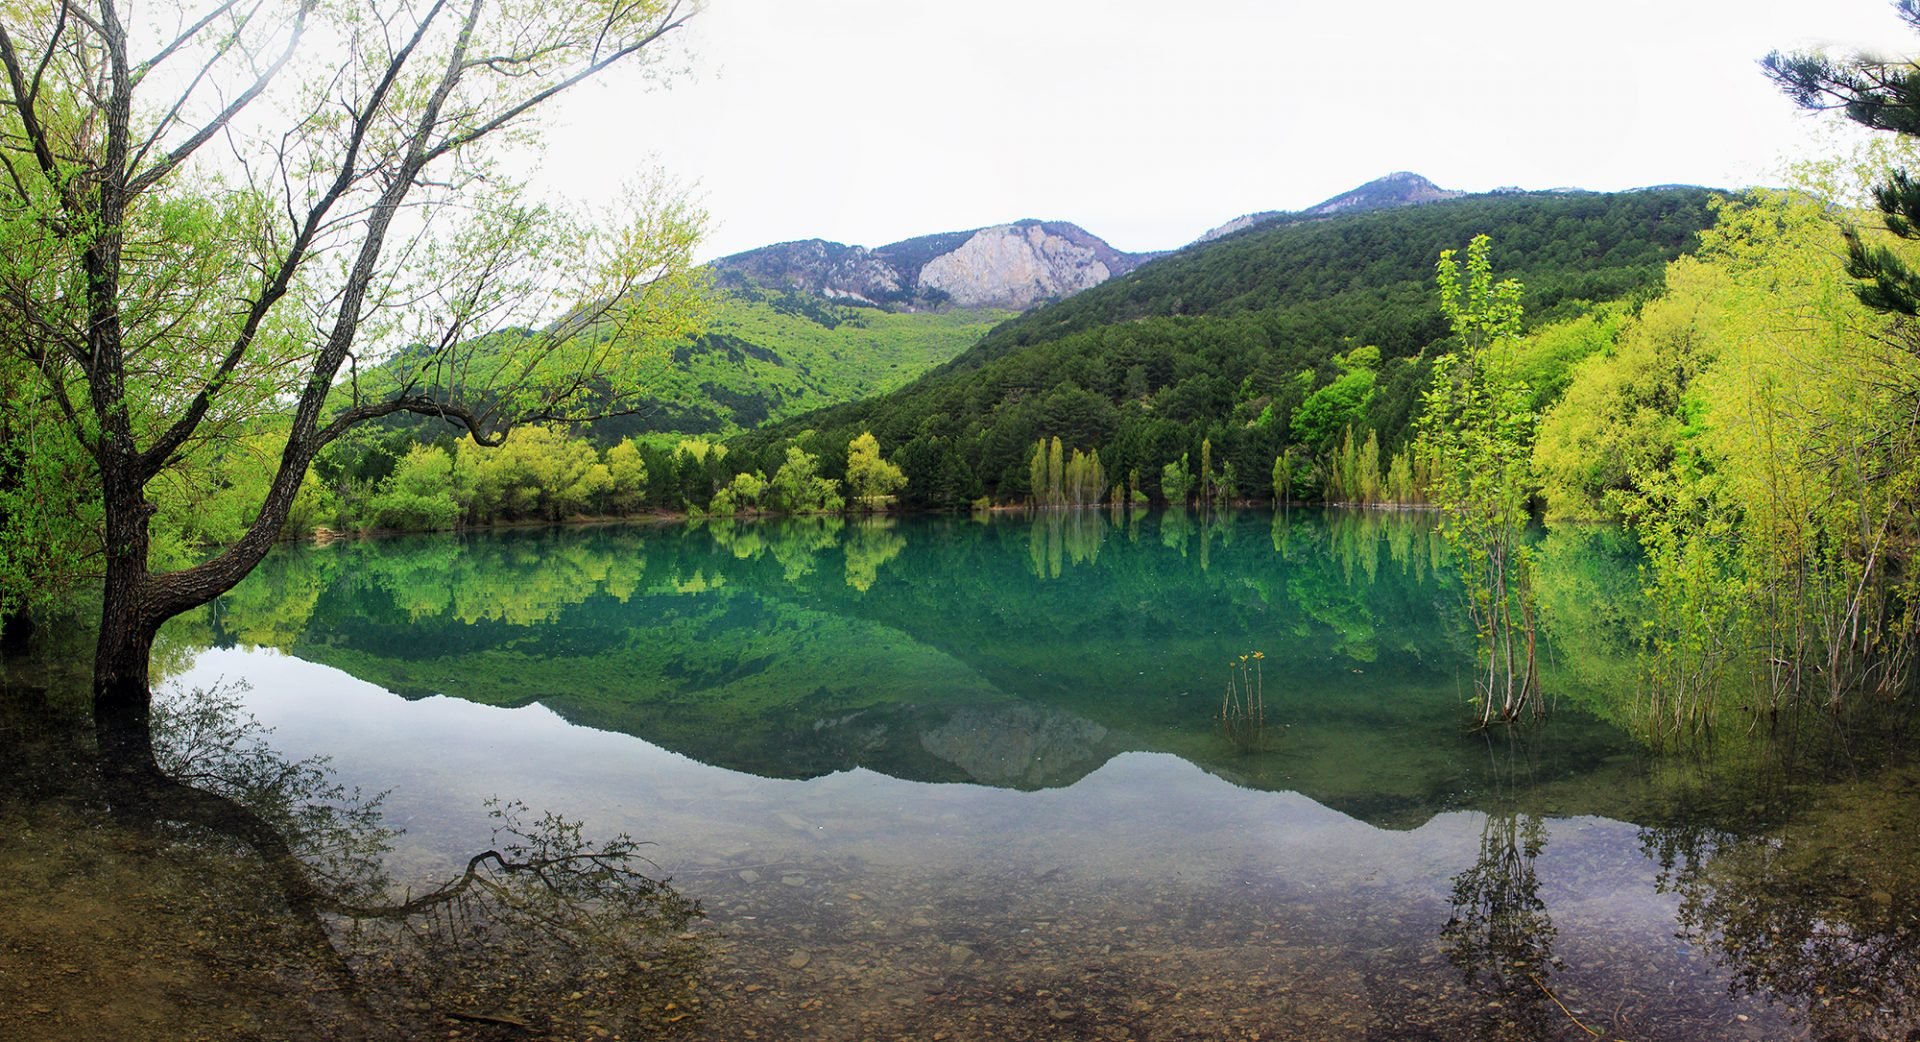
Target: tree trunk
point(123, 703)
point(16, 626)
point(16, 629)
point(122, 697)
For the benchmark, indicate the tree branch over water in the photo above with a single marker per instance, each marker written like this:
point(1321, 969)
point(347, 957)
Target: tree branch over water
point(546, 911)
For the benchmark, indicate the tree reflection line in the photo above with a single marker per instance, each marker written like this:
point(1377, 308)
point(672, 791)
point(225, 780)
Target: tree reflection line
point(546, 911)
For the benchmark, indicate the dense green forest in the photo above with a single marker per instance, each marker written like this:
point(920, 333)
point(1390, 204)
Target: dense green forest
point(1289, 359)
point(1270, 343)
point(771, 356)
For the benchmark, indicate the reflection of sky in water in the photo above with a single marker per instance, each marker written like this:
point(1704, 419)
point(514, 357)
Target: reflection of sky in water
point(1144, 822)
point(1302, 892)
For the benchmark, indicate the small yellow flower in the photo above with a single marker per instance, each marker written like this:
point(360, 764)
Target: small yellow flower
point(1259, 655)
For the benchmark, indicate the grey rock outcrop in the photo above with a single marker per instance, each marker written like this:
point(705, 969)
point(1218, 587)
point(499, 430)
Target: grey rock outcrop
point(1019, 265)
point(1021, 746)
point(1013, 266)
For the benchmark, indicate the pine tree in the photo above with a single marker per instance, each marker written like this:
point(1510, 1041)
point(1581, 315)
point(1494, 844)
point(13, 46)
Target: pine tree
point(1881, 94)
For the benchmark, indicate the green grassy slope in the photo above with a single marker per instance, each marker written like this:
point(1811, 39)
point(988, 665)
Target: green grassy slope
point(764, 357)
point(774, 356)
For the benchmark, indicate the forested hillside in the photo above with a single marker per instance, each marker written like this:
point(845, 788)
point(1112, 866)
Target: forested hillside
point(1291, 355)
point(1268, 344)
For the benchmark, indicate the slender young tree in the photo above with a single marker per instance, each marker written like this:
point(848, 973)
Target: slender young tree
point(1476, 428)
point(212, 212)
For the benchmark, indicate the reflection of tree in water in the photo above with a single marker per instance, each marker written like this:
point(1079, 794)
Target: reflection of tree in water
point(1821, 915)
point(1063, 536)
point(1499, 933)
point(1176, 529)
point(871, 542)
point(1219, 526)
point(795, 542)
point(544, 913)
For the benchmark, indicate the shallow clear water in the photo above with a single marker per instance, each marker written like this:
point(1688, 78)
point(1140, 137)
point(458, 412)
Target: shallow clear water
point(952, 779)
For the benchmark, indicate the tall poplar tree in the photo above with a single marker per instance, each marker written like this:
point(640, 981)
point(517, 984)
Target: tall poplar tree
point(1477, 430)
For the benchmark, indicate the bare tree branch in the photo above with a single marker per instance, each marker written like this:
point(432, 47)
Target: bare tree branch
point(140, 182)
point(168, 443)
point(190, 33)
point(670, 21)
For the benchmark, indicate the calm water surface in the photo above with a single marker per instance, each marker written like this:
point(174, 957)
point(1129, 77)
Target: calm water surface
point(948, 779)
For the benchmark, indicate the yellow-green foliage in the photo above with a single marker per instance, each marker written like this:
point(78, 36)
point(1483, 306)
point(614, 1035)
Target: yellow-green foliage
point(628, 473)
point(1176, 481)
point(1085, 481)
point(1477, 428)
point(1620, 415)
point(1354, 475)
point(770, 363)
point(1407, 477)
point(418, 497)
point(540, 472)
point(1062, 481)
point(742, 493)
point(1757, 423)
point(871, 481)
point(797, 487)
point(699, 449)
point(1545, 359)
point(1353, 471)
point(1205, 477)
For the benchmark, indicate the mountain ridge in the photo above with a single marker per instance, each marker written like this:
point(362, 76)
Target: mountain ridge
point(1008, 266)
point(1400, 188)
point(1016, 265)
point(1211, 351)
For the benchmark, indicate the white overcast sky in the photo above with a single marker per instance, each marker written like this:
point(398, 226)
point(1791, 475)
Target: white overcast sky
point(1148, 122)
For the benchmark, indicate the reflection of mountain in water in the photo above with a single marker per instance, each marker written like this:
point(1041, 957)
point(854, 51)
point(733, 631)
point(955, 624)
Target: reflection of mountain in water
point(1012, 654)
point(1018, 746)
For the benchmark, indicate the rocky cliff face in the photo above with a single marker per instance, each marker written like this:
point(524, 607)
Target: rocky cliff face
point(1012, 266)
point(815, 266)
point(1019, 265)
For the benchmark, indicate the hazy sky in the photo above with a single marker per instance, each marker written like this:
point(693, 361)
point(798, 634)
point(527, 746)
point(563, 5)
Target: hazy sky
point(869, 121)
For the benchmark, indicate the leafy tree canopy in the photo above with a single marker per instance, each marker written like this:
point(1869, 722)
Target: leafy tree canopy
point(217, 212)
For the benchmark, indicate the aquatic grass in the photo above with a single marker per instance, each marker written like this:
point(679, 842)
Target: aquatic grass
point(1243, 708)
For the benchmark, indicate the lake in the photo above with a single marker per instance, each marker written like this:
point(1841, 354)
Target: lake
point(948, 778)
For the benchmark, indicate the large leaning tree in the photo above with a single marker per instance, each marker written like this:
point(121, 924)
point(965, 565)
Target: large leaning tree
point(215, 215)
